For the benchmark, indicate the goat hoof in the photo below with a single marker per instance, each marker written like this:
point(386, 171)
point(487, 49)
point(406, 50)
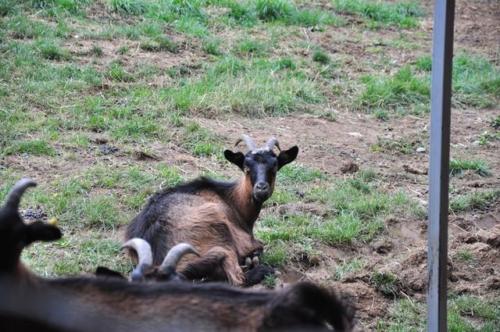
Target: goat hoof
point(248, 262)
point(255, 261)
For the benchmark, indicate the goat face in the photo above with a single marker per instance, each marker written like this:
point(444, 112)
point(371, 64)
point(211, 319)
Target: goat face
point(14, 233)
point(260, 165)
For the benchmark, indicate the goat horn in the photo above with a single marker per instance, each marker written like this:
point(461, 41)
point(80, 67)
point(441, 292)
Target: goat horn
point(144, 256)
point(248, 141)
point(175, 254)
point(14, 197)
point(271, 143)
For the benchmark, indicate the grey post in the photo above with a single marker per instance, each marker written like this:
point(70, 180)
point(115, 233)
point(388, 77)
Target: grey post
point(442, 57)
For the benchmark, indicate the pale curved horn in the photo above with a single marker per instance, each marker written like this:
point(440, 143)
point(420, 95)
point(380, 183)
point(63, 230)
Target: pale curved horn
point(144, 256)
point(248, 141)
point(175, 254)
point(14, 197)
point(271, 143)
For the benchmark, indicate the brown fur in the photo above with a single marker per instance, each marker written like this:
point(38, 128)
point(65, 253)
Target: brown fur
point(86, 304)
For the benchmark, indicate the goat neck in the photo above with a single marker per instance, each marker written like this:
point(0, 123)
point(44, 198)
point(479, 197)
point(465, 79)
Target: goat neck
point(246, 207)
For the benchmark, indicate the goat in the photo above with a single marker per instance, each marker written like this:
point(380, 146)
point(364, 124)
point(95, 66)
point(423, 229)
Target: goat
point(216, 217)
point(104, 304)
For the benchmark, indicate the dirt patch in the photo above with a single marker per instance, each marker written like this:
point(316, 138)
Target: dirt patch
point(476, 25)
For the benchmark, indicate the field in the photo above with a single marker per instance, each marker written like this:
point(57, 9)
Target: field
point(104, 102)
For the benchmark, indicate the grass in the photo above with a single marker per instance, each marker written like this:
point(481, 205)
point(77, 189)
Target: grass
point(464, 255)
point(51, 51)
point(475, 84)
point(200, 141)
point(321, 57)
point(75, 253)
point(33, 147)
point(347, 268)
point(159, 44)
point(298, 174)
point(354, 211)
point(476, 81)
point(271, 10)
point(457, 166)
point(478, 200)
point(212, 46)
point(466, 313)
point(250, 47)
point(386, 283)
point(250, 89)
point(403, 89)
point(404, 145)
point(402, 14)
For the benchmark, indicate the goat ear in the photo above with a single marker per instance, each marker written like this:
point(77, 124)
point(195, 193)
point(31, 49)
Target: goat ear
point(236, 158)
point(39, 231)
point(287, 156)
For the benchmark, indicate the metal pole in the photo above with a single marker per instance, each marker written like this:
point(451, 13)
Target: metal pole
point(442, 57)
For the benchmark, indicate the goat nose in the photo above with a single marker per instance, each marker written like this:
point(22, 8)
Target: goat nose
point(262, 186)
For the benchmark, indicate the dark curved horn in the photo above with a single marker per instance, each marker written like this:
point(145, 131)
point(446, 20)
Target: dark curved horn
point(271, 143)
point(248, 141)
point(175, 255)
point(144, 256)
point(14, 197)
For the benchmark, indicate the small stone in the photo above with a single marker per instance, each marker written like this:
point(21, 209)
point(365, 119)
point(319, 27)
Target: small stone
point(421, 149)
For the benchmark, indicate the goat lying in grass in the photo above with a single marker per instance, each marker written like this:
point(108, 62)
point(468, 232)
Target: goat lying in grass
point(92, 304)
point(217, 218)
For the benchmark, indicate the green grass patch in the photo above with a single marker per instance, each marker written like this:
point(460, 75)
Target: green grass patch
point(298, 174)
point(51, 51)
point(116, 72)
point(479, 200)
point(353, 210)
point(276, 253)
point(401, 14)
point(279, 11)
point(476, 81)
point(464, 255)
point(404, 145)
point(251, 47)
point(465, 314)
point(457, 166)
point(75, 254)
point(251, 89)
point(271, 10)
point(321, 56)
point(129, 7)
point(160, 44)
point(360, 197)
point(21, 27)
point(347, 268)
point(200, 141)
point(212, 46)
point(33, 147)
point(403, 89)
point(386, 283)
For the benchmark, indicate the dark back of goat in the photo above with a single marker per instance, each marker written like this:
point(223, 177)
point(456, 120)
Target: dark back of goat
point(85, 304)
